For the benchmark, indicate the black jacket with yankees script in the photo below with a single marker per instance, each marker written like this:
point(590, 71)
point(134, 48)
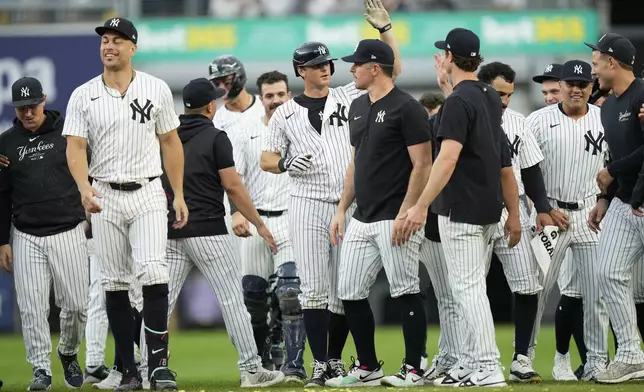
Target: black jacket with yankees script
point(37, 191)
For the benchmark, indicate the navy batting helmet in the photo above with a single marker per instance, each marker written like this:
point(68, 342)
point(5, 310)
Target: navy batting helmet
point(312, 53)
point(226, 65)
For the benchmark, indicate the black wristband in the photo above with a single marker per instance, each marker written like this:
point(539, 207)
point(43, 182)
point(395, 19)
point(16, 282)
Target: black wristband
point(280, 165)
point(384, 28)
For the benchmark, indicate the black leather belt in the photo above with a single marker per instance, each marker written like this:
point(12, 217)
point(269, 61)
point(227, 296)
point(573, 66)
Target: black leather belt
point(128, 186)
point(270, 213)
point(568, 206)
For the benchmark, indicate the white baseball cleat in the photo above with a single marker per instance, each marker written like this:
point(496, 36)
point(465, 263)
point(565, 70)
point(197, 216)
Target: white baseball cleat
point(521, 370)
point(562, 371)
point(261, 378)
point(486, 378)
point(406, 377)
point(357, 376)
point(454, 377)
point(112, 381)
point(618, 372)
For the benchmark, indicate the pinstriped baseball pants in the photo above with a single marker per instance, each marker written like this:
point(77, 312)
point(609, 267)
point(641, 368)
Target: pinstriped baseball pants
point(466, 249)
point(60, 259)
point(621, 246)
point(366, 250)
point(316, 260)
point(583, 244)
point(97, 323)
point(132, 223)
point(217, 259)
point(450, 316)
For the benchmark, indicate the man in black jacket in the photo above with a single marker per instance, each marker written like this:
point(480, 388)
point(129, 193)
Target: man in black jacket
point(204, 242)
point(38, 193)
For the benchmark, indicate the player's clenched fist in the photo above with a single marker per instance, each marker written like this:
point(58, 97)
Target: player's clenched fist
point(299, 163)
point(241, 226)
point(88, 198)
point(513, 230)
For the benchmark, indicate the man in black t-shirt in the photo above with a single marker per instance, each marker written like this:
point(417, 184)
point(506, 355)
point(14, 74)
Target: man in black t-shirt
point(470, 183)
point(391, 162)
point(204, 242)
point(620, 205)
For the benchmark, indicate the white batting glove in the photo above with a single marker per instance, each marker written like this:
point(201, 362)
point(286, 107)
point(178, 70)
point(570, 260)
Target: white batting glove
point(298, 164)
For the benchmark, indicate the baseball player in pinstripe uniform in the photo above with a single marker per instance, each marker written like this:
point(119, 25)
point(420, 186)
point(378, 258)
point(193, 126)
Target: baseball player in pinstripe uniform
point(47, 240)
point(571, 138)
point(205, 243)
point(620, 239)
point(469, 211)
point(270, 196)
point(569, 318)
point(309, 138)
point(227, 72)
point(433, 258)
point(390, 135)
point(127, 119)
point(519, 264)
point(97, 325)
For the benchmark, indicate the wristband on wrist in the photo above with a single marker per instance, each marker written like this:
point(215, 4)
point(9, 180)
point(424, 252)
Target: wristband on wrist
point(280, 165)
point(384, 28)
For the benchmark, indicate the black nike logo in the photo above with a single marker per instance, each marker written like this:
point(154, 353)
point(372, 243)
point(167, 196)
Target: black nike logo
point(254, 137)
point(289, 116)
point(554, 125)
point(94, 99)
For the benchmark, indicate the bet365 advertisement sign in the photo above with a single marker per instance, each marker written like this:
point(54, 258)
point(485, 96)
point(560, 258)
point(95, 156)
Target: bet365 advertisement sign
point(501, 33)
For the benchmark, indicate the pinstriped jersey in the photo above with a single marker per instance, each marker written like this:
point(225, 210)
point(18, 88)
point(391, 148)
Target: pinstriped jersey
point(291, 134)
point(524, 149)
point(225, 118)
point(122, 132)
point(268, 191)
point(574, 151)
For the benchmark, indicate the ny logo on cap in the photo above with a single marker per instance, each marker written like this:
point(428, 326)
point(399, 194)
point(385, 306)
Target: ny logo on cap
point(24, 91)
point(578, 69)
point(548, 69)
point(115, 22)
point(321, 50)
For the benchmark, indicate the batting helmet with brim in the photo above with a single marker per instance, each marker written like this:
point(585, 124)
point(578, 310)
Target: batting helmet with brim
point(310, 54)
point(227, 65)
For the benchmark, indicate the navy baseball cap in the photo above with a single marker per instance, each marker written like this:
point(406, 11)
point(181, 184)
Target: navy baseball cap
point(551, 72)
point(371, 51)
point(461, 42)
point(27, 91)
point(119, 25)
point(616, 46)
point(200, 92)
point(576, 71)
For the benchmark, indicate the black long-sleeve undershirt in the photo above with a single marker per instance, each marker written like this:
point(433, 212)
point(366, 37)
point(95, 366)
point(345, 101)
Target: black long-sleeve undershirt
point(535, 188)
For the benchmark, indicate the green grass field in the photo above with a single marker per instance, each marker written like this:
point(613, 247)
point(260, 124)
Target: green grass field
point(206, 361)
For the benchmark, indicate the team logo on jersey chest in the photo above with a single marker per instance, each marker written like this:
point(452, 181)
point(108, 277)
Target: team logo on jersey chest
point(142, 111)
point(514, 145)
point(340, 115)
point(594, 142)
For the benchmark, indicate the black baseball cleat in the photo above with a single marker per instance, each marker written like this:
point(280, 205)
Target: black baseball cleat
point(320, 375)
point(72, 370)
point(1, 384)
point(41, 381)
point(163, 379)
point(131, 381)
point(96, 374)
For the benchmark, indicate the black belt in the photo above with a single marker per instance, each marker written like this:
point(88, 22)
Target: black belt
point(269, 213)
point(128, 186)
point(568, 206)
